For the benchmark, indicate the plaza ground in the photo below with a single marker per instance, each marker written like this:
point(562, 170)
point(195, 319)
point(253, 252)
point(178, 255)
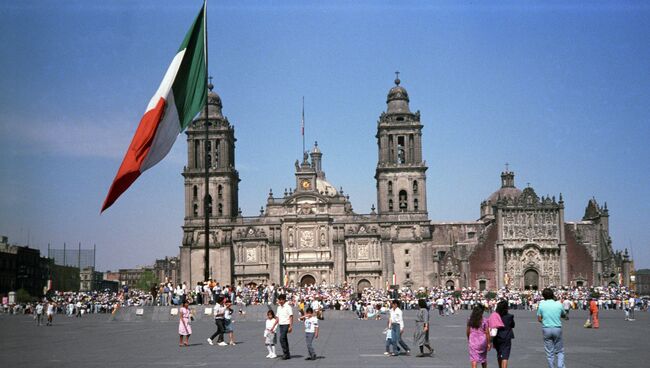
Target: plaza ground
point(96, 341)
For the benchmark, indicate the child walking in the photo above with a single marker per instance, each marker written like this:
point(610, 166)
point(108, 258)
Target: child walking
point(311, 331)
point(478, 338)
point(389, 341)
point(270, 338)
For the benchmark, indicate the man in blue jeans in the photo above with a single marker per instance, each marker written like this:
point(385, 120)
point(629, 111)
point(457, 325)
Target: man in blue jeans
point(550, 313)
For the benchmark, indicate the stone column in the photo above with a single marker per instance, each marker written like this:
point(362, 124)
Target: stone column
point(564, 274)
point(499, 249)
point(500, 265)
point(626, 269)
point(436, 269)
point(564, 265)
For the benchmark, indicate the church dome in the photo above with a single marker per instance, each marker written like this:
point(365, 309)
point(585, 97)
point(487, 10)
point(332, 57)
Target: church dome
point(504, 193)
point(507, 190)
point(323, 186)
point(214, 105)
point(398, 99)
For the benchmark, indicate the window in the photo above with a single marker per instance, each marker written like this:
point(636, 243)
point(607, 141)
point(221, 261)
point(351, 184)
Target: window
point(407, 264)
point(197, 150)
point(209, 205)
point(406, 251)
point(403, 204)
point(415, 186)
point(208, 150)
point(415, 204)
point(401, 154)
point(220, 191)
point(390, 205)
point(390, 187)
point(408, 275)
point(482, 285)
point(217, 143)
point(220, 209)
point(195, 210)
point(195, 192)
point(579, 284)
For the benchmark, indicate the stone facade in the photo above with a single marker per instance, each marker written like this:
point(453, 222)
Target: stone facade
point(311, 234)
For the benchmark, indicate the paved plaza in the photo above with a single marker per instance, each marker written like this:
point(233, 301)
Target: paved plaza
point(98, 341)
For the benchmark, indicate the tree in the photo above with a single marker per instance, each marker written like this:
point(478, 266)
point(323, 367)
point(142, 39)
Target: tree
point(147, 279)
point(22, 296)
point(490, 295)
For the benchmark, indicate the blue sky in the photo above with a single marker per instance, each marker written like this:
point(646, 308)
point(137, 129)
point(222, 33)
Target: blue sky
point(559, 91)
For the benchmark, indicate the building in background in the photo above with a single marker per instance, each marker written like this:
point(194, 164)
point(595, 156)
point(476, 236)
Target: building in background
point(642, 281)
point(22, 268)
point(168, 268)
point(90, 280)
point(131, 276)
point(310, 234)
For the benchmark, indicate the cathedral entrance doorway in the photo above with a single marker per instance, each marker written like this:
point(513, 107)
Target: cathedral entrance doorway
point(531, 280)
point(450, 285)
point(307, 280)
point(363, 284)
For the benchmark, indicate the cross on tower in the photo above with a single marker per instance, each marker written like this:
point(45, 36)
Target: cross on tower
point(397, 78)
point(507, 166)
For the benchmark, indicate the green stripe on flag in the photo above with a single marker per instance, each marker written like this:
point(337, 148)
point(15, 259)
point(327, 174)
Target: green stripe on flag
point(189, 86)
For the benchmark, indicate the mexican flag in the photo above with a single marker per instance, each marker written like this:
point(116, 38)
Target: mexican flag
point(179, 98)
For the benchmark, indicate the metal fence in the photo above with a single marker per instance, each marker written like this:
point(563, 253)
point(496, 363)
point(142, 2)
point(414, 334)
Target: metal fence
point(73, 256)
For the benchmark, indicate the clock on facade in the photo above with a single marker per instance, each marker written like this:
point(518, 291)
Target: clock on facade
point(305, 184)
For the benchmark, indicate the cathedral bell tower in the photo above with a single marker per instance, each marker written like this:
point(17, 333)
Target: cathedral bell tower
point(223, 178)
point(401, 172)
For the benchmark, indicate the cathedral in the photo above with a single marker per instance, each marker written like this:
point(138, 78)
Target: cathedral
point(311, 235)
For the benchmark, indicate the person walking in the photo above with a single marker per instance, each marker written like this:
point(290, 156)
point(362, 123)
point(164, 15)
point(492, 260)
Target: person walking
point(39, 314)
point(478, 337)
point(421, 334)
point(184, 326)
point(285, 324)
point(311, 331)
point(593, 313)
point(219, 320)
point(229, 324)
point(396, 325)
point(549, 314)
point(503, 340)
point(50, 312)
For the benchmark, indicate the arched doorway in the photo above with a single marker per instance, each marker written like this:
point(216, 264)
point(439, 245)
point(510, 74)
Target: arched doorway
point(531, 280)
point(307, 280)
point(450, 285)
point(363, 284)
point(482, 285)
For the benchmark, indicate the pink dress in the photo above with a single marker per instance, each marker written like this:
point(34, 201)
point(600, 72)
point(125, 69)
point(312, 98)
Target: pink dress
point(477, 344)
point(184, 327)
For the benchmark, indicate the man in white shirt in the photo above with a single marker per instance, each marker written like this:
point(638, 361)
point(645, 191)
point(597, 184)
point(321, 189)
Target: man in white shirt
point(219, 320)
point(39, 314)
point(285, 324)
point(632, 306)
point(396, 326)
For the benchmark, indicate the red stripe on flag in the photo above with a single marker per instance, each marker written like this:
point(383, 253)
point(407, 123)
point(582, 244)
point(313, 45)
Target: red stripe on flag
point(137, 152)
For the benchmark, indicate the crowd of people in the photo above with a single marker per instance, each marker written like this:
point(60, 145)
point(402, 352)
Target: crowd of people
point(551, 305)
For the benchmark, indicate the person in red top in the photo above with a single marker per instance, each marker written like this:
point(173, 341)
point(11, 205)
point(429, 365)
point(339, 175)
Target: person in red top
point(593, 313)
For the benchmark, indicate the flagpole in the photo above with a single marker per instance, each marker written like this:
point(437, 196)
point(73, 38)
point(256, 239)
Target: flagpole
point(303, 125)
point(206, 215)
